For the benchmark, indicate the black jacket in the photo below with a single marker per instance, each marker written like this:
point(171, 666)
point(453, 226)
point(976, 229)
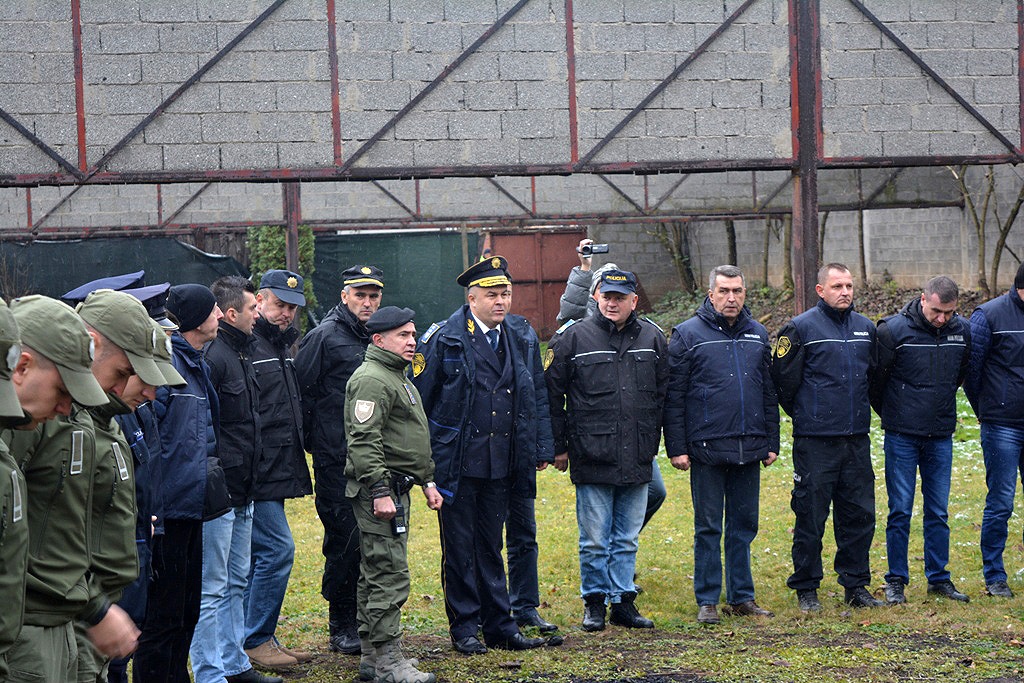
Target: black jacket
point(281, 472)
point(721, 406)
point(995, 377)
point(821, 368)
point(239, 444)
point(606, 391)
point(919, 369)
point(327, 357)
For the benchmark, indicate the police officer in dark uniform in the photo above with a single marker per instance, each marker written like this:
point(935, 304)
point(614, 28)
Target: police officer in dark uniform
point(327, 357)
point(482, 383)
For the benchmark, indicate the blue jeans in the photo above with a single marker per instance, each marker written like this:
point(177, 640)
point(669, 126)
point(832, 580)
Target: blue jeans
point(732, 491)
point(273, 551)
point(904, 455)
point(1004, 456)
point(609, 519)
point(216, 649)
point(656, 492)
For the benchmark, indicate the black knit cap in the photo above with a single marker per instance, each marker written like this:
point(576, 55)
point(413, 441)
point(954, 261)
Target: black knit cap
point(191, 304)
point(388, 318)
point(1018, 281)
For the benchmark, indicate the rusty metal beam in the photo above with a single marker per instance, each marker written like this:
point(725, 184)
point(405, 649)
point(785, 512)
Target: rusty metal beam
point(292, 200)
point(805, 59)
point(332, 60)
point(76, 45)
point(430, 87)
point(177, 212)
point(42, 146)
point(394, 199)
point(658, 89)
point(498, 186)
point(570, 62)
point(923, 65)
point(775, 193)
point(619, 191)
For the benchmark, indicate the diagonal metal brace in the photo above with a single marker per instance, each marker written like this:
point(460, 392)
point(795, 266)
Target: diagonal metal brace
point(500, 188)
point(43, 147)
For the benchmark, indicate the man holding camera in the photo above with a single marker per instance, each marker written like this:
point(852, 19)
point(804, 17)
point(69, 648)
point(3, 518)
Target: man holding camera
point(388, 452)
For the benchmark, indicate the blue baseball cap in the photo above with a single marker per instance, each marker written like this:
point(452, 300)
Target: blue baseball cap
point(621, 281)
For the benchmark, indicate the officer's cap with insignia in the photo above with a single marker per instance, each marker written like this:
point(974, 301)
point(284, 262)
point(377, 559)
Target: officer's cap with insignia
point(52, 329)
point(10, 353)
point(286, 285)
point(162, 356)
point(389, 318)
point(490, 272)
point(154, 298)
point(362, 276)
point(116, 282)
point(123, 320)
point(621, 281)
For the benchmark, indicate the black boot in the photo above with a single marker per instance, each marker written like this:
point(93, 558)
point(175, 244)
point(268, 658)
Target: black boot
point(342, 625)
point(593, 612)
point(625, 613)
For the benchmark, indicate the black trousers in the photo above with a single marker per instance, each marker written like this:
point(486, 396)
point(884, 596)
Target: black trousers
point(472, 569)
point(341, 551)
point(836, 472)
point(172, 608)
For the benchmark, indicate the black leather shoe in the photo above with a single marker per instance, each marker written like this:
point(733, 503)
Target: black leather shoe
point(708, 614)
point(593, 612)
point(999, 589)
point(808, 600)
point(253, 676)
point(532, 618)
point(518, 641)
point(894, 593)
point(946, 589)
point(860, 597)
point(626, 614)
point(470, 645)
point(344, 636)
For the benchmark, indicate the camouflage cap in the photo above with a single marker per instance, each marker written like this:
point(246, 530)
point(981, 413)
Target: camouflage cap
point(123, 320)
point(52, 329)
point(10, 352)
point(162, 356)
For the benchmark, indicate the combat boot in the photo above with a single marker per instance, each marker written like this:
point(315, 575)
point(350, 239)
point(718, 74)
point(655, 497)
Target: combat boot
point(626, 614)
point(593, 612)
point(393, 667)
point(368, 661)
point(341, 622)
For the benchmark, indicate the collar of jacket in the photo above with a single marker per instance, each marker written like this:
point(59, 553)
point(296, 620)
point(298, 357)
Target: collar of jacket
point(386, 358)
point(835, 314)
point(1015, 298)
point(340, 315)
point(609, 326)
point(234, 337)
point(274, 335)
point(707, 313)
point(189, 353)
point(115, 407)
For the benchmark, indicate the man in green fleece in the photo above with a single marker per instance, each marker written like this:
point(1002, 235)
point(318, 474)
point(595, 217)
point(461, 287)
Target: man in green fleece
point(388, 452)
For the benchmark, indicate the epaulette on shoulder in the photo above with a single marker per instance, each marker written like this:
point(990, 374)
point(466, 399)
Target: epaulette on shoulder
point(648, 320)
point(568, 323)
point(431, 330)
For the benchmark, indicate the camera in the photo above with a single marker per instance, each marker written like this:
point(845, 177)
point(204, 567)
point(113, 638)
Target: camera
point(589, 249)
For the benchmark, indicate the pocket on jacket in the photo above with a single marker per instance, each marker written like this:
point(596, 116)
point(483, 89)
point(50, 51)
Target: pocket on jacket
point(598, 442)
point(646, 368)
point(232, 400)
point(596, 373)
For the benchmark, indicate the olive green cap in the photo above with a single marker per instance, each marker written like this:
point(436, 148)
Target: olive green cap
point(162, 356)
point(52, 328)
point(123, 320)
point(10, 352)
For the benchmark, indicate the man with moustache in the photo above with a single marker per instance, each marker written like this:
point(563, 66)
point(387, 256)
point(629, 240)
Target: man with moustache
point(482, 383)
point(821, 366)
point(327, 357)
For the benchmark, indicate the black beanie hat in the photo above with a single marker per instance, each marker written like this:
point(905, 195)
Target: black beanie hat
point(191, 305)
point(1018, 281)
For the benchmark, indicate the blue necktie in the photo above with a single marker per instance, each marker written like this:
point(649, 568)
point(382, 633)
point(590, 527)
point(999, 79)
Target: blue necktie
point(492, 337)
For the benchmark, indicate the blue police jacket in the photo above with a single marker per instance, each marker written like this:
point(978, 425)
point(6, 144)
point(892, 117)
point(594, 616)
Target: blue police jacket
point(919, 369)
point(186, 416)
point(821, 367)
point(995, 376)
point(444, 372)
point(141, 433)
point(720, 390)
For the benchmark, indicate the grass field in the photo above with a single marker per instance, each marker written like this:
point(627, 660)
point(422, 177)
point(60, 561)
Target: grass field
point(925, 640)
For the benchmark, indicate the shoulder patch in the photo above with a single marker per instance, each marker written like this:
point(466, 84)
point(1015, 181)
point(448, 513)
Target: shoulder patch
point(648, 320)
point(419, 364)
point(363, 410)
point(549, 357)
point(782, 347)
point(430, 331)
point(567, 325)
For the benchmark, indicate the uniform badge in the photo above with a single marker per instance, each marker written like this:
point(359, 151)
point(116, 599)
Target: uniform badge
point(495, 262)
point(293, 283)
point(419, 364)
point(363, 411)
point(548, 357)
point(782, 347)
point(365, 270)
point(471, 326)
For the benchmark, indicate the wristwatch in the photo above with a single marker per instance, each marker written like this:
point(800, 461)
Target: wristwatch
point(430, 485)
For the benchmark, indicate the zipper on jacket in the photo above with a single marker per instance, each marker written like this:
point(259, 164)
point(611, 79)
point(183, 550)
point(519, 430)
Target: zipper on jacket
point(38, 541)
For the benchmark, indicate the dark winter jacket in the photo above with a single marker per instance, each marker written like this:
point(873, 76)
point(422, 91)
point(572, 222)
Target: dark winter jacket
point(444, 372)
point(186, 417)
point(327, 357)
point(995, 377)
point(721, 406)
point(606, 389)
point(239, 441)
point(281, 472)
point(919, 369)
point(143, 436)
point(821, 368)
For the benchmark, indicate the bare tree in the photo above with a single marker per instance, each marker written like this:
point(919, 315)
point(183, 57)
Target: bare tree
point(787, 252)
point(730, 236)
point(674, 237)
point(821, 236)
